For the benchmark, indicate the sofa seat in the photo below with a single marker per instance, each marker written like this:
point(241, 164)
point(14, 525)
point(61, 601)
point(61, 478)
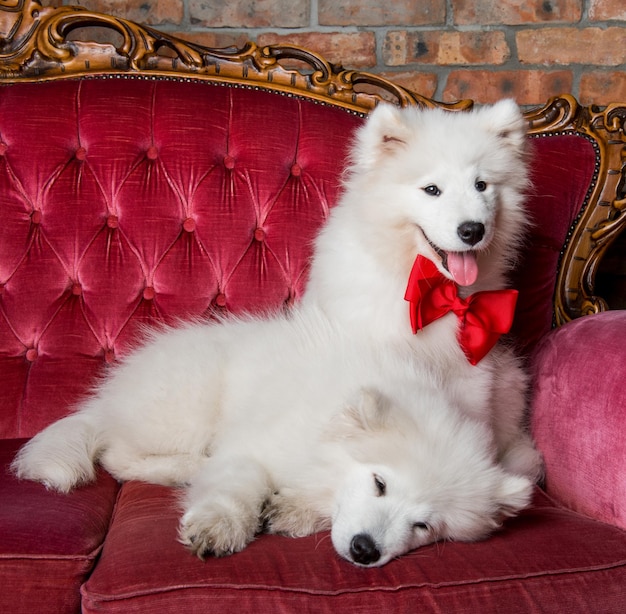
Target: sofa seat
point(49, 542)
point(546, 560)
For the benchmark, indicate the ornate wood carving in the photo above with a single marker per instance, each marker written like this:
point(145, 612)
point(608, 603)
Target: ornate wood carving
point(38, 44)
point(603, 217)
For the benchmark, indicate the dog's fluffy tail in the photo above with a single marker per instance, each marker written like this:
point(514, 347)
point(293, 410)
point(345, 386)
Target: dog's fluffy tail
point(61, 456)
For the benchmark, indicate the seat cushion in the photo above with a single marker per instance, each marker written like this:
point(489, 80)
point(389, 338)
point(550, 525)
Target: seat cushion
point(48, 541)
point(546, 560)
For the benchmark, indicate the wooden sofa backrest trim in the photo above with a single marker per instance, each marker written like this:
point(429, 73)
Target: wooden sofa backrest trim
point(601, 217)
point(40, 44)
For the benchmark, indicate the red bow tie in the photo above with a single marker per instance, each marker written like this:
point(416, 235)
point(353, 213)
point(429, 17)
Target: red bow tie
point(483, 316)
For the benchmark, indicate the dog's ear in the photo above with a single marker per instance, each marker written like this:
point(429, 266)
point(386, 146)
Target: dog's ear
point(506, 120)
point(383, 133)
point(514, 494)
point(368, 411)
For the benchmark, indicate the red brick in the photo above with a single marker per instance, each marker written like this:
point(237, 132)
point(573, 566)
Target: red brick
point(601, 10)
point(445, 48)
point(515, 12)
point(155, 12)
point(603, 47)
point(527, 87)
point(600, 87)
point(249, 13)
point(423, 83)
point(377, 13)
point(353, 49)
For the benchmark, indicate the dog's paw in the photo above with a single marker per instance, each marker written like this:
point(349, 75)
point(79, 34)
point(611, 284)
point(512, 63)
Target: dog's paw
point(217, 532)
point(291, 516)
point(53, 473)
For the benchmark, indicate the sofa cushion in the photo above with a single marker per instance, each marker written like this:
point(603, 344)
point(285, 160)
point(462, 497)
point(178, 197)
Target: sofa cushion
point(579, 416)
point(546, 560)
point(49, 542)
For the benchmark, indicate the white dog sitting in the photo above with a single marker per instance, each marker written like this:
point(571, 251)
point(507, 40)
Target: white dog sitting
point(232, 408)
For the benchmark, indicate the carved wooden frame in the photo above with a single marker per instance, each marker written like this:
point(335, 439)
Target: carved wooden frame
point(602, 219)
point(36, 45)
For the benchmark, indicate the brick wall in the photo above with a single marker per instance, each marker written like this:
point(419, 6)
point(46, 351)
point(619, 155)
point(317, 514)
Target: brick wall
point(448, 49)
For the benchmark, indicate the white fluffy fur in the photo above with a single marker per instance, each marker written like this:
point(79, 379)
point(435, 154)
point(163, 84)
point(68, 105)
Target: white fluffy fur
point(255, 414)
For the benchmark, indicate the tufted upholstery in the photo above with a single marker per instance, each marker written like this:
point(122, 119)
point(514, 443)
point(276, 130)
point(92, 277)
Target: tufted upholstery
point(148, 200)
point(156, 200)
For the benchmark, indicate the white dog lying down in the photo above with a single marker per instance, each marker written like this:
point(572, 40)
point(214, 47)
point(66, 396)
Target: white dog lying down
point(385, 477)
point(236, 409)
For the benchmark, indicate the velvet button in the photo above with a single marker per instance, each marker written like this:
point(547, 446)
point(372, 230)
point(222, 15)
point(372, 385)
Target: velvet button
point(189, 224)
point(148, 293)
point(81, 153)
point(112, 221)
point(31, 355)
point(77, 289)
point(109, 356)
point(220, 300)
point(296, 170)
point(152, 153)
point(35, 217)
point(259, 234)
point(229, 162)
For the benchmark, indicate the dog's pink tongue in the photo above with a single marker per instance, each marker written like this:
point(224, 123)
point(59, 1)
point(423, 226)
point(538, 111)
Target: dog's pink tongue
point(463, 267)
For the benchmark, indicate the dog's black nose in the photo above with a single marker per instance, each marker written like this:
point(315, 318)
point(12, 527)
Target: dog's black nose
point(363, 549)
point(471, 232)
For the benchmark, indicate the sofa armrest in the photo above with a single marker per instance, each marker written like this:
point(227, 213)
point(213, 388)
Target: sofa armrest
point(579, 414)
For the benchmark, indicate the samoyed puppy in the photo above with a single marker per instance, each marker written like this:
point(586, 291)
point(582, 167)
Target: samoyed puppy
point(231, 409)
point(386, 474)
point(410, 476)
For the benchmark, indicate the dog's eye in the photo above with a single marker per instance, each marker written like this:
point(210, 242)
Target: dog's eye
point(381, 487)
point(481, 186)
point(422, 526)
point(432, 190)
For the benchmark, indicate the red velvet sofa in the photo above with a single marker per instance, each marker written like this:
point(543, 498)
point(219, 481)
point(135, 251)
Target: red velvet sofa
point(143, 179)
